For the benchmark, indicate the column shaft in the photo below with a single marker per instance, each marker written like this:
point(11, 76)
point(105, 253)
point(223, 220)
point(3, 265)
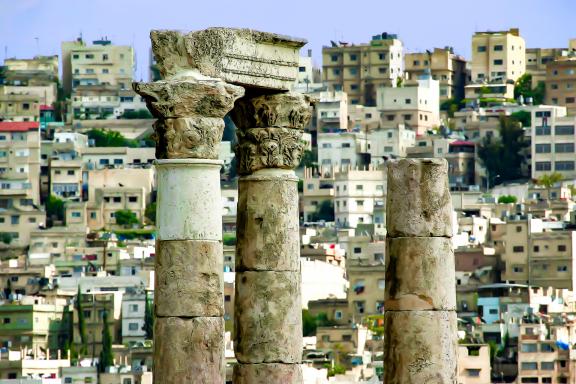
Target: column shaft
point(189, 285)
point(420, 333)
point(268, 303)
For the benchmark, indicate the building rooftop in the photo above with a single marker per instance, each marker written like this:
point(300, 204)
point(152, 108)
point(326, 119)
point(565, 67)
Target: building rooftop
point(18, 126)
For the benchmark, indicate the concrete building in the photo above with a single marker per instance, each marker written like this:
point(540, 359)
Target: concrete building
point(473, 364)
point(417, 106)
point(537, 59)
point(390, 142)
point(66, 179)
point(133, 316)
point(358, 194)
point(359, 70)
point(342, 150)
point(550, 258)
point(553, 143)
point(316, 190)
point(498, 56)
point(444, 65)
point(21, 367)
point(561, 83)
point(366, 293)
point(461, 158)
point(332, 112)
point(117, 157)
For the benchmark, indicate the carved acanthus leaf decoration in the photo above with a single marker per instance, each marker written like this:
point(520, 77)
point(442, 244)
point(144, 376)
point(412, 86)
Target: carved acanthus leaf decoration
point(185, 138)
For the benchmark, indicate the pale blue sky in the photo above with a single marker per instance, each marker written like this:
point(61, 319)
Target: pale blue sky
point(420, 24)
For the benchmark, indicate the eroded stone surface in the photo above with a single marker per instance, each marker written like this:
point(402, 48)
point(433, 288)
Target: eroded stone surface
point(268, 317)
point(420, 274)
point(267, 230)
point(242, 56)
point(188, 97)
point(189, 199)
point(420, 347)
point(418, 201)
point(282, 110)
point(188, 137)
point(189, 350)
point(271, 373)
point(260, 148)
point(189, 278)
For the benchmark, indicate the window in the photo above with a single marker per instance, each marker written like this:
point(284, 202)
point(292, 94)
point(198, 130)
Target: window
point(360, 306)
point(472, 372)
point(536, 248)
point(117, 199)
point(498, 48)
point(542, 131)
point(127, 380)
point(76, 214)
point(353, 57)
point(493, 311)
point(546, 380)
point(529, 366)
point(382, 70)
point(381, 283)
point(543, 148)
point(353, 87)
point(407, 117)
point(564, 130)
point(498, 62)
point(133, 326)
point(357, 250)
point(15, 220)
point(561, 248)
point(7, 320)
point(360, 203)
point(547, 365)
point(31, 219)
point(564, 166)
point(543, 166)
point(359, 187)
point(89, 56)
point(338, 315)
point(133, 307)
point(326, 338)
point(87, 314)
point(530, 379)
point(564, 147)
point(132, 199)
point(481, 48)
point(90, 71)
point(335, 71)
point(517, 249)
point(570, 100)
point(529, 348)
point(382, 56)
point(562, 268)
point(334, 58)
point(546, 348)
point(93, 215)
point(118, 161)
point(353, 71)
point(517, 269)
point(408, 101)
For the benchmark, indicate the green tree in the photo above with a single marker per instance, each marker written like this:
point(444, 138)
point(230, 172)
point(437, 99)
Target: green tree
point(308, 323)
point(106, 138)
point(55, 208)
point(81, 323)
point(524, 86)
point(507, 199)
point(126, 218)
point(549, 179)
point(503, 157)
point(325, 211)
point(450, 106)
point(5, 237)
point(150, 212)
point(139, 114)
point(309, 159)
point(148, 319)
point(106, 355)
point(524, 117)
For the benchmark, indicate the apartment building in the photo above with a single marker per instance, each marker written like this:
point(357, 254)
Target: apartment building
point(537, 59)
point(444, 65)
point(342, 150)
point(561, 82)
point(551, 257)
point(104, 102)
point(498, 56)
point(417, 106)
point(332, 112)
point(20, 180)
point(461, 159)
point(94, 304)
point(358, 194)
point(316, 190)
point(390, 142)
point(66, 179)
point(117, 157)
point(553, 143)
point(49, 245)
point(473, 364)
point(359, 70)
point(366, 292)
point(133, 314)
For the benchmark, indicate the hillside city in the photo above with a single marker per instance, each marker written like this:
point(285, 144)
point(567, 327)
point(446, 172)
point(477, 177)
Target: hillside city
point(78, 207)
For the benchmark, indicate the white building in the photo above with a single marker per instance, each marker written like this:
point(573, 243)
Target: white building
point(133, 315)
point(332, 112)
point(417, 106)
point(341, 150)
point(321, 280)
point(390, 142)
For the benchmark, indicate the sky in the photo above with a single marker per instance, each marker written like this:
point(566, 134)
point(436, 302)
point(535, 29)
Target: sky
point(32, 27)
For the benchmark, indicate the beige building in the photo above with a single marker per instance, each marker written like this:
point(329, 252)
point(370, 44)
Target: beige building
point(551, 258)
point(366, 292)
point(20, 180)
point(389, 142)
point(553, 143)
point(316, 190)
point(444, 65)
point(66, 179)
point(561, 83)
point(473, 364)
point(47, 246)
point(537, 59)
point(359, 70)
point(498, 56)
point(38, 63)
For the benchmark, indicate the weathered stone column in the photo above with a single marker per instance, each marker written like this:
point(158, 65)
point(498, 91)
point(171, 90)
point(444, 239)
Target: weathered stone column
point(420, 334)
point(188, 298)
point(267, 310)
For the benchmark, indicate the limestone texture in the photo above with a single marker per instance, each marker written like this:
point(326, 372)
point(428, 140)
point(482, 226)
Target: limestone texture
point(189, 350)
point(188, 137)
point(189, 278)
point(267, 224)
point(281, 110)
point(240, 56)
point(420, 274)
point(420, 347)
point(418, 201)
point(188, 97)
point(189, 199)
point(271, 373)
point(268, 317)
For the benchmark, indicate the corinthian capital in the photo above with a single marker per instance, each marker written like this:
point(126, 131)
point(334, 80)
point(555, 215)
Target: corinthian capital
point(190, 114)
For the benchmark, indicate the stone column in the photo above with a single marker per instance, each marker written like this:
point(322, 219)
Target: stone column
point(268, 304)
point(188, 298)
point(420, 333)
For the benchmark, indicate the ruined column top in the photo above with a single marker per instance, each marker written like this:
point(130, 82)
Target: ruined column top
point(249, 58)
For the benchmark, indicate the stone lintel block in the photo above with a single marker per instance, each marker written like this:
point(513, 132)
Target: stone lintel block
point(271, 373)
point(420, 347)
point(189, 199)
point(418, 201)
point(189, 350)
point(267, 224)
point(420, 274)
point(188, 97)
point(268, 317)
point(189, 278)
point(241, 56)
point(188, 137)
point(261, 148)
point(281, 110)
